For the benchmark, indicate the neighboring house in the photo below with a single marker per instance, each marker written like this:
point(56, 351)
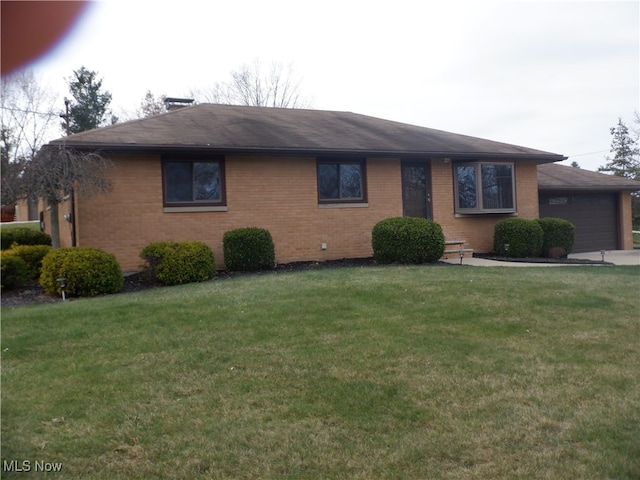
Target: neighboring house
point(317, 180)
point(598, 205)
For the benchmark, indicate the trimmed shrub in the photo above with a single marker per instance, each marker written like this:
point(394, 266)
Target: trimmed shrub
point(32, 256)
point(248, 249)
point(407, 240)
point(23, 236)
point(523, 236)
point(153, 254)
point(176, 263)
point(88, 272)
point(558, 237)
point(13, 270)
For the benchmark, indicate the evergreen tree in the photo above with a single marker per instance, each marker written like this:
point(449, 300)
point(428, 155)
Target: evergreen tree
point(625, 162)
point(90, 107)
point(626, 153)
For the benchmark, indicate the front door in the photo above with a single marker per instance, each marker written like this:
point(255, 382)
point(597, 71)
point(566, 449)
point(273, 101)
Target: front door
point(416, 189)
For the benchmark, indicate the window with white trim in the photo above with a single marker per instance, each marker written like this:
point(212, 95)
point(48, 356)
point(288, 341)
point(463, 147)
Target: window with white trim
point(484, 188)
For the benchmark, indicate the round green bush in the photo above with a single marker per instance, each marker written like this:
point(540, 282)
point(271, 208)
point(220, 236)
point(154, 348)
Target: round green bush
point(176, 263)
point(558, 236)
point(14, 271)
point(23, 236)
point(248, 249)
point(87, 272)
point(523, 237)
point(407, 240)
point(32, 256)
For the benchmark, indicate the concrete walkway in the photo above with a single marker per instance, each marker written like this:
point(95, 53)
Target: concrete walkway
point(616, 257)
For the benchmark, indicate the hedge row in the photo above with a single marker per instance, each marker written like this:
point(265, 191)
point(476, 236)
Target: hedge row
point(522, 238)
point(173, 263)
point(90, 271)
point(23, 236)
point(408, 240)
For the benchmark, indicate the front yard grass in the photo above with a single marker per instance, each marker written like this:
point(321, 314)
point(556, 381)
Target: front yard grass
point(35, 225)
point(379, 372)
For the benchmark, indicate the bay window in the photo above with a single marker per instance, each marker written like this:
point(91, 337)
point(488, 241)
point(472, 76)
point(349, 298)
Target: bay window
point(484, 188)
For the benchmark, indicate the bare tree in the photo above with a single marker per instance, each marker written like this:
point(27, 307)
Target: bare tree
point(10, 189)
point(27, 111)
point(152, 105)
point(56, 171)
point(27, 120)
point(250, 86)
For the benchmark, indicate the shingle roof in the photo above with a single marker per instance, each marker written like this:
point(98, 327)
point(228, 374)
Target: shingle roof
point(560, 177)
point(230, 128)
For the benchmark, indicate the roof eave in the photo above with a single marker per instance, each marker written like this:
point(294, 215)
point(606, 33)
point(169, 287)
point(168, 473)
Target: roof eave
point(598, 188)
point(154, 148)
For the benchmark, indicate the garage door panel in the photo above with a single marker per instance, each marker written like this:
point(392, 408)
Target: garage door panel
point(594, 215)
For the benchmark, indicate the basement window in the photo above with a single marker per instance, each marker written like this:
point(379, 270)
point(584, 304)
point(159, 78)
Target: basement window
point(484, 188)
point(193, 182)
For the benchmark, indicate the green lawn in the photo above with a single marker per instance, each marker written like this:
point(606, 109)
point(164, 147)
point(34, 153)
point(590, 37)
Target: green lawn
point(13, 225)
point(383, 372)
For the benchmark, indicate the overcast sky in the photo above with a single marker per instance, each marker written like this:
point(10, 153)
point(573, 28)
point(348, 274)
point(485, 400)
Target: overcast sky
point(549, 75)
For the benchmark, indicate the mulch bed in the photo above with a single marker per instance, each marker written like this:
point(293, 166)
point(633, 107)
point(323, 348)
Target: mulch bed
point(32, 293)
point(567, 261)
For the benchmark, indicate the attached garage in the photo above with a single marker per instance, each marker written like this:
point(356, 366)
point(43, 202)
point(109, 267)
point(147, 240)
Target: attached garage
point(594, 215)
point(598, 205)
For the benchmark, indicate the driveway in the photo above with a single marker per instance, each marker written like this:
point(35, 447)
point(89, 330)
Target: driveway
point(616, 257)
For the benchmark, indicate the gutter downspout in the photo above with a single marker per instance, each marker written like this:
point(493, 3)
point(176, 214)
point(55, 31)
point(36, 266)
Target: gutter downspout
point(72, 196)
point(73, 217)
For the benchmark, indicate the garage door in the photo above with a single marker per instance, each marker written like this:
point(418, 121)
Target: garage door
point(594, 215)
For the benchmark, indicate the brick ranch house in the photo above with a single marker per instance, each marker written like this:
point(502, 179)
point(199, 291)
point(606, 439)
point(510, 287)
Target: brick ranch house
point(317, 180)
